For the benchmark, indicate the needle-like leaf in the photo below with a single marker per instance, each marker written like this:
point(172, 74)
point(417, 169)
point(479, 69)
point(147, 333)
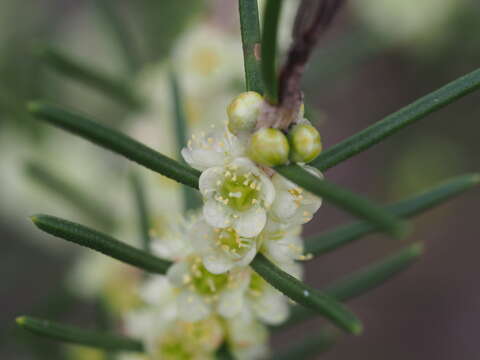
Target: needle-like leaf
point(306, 295)
point(269, 49)
point(353, 203)
point(398, 120)
point(362, 281)
point(103, 243)
point(319, 244)
point(251, 40)
point(73, 335)
point(309, 347)
point(143, 213)
point(115, 141)
point(190, 196)
point(119, 33)
point(116, 89)
point(70, 193)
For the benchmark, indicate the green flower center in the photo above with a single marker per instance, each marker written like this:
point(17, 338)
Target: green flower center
point(229, 241)
point(257, 285)
point(204, 282)
point(240, 192)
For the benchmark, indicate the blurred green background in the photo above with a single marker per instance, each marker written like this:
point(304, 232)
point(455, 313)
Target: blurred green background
point(378, 57)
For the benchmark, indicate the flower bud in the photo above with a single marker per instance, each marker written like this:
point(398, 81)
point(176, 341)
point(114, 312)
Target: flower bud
point(305, 143)
point(243, 112)
point(269, 147)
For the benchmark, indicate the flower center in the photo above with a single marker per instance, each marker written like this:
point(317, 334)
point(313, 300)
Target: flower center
point(257, 285)
point(205, 61)
point(240, 192)
point(297, 194)
point(229, 241)
point(203, 281)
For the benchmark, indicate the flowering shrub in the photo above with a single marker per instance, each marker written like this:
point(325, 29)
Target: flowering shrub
point(222, 275)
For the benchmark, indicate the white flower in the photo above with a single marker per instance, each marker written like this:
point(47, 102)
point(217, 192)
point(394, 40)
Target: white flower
point(96, 275)
point(217, 148)
point(201, 292)
point(268, 304)
point(166, 337)
point(237, 195)
point(186, 340)
point(247, 338)
point(208, 58)
point(221, 249)
point(282, 243)
point(292, 204)
point(172, 241)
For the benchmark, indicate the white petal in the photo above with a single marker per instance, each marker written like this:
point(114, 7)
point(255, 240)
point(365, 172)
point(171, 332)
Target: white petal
point(156, 290)
point(208, 180)
point(217, 262)
point(248, 257)
point(230, 303)
point(202, 159)
point(202, 237)
point(216, 214)
point(250, 223)
point(284, 206)
point(244, 165)
point(176, 273)
point(271, 307)
point(192, 307)
point(268, 190)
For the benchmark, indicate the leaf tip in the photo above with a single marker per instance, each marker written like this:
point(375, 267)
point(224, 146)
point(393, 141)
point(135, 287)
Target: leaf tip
point(34, 107)
point(35, 218)
point(417, 249)
point(475, 178)
point(21, 320)
point(356, 328)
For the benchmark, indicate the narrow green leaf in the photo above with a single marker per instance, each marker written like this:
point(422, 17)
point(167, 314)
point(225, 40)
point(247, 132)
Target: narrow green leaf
point(362, 281)
point(309, 347)
point(116, 89)
point(251, 40)
point(103, 243)
point(114, 141)
point(119, 33)
point(71, 194)
point(319, 244)
point(269, 49)
point(398, 120)
point(306, 295)
point(191, 197)
point(73, 335)
point(143, 213)
point(355, 204)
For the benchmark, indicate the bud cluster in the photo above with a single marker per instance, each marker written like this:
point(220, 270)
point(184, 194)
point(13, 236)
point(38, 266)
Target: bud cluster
point(270, 146)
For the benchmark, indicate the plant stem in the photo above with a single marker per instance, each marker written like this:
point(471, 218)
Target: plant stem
point(143, 213)
point(251, 40)
point(269, 49)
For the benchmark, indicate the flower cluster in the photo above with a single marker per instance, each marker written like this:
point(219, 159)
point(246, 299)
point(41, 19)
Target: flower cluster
point(210, 296)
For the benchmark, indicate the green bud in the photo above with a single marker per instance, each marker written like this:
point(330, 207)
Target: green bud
point(305, 143)
point(269, 147)
point(243, 112)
